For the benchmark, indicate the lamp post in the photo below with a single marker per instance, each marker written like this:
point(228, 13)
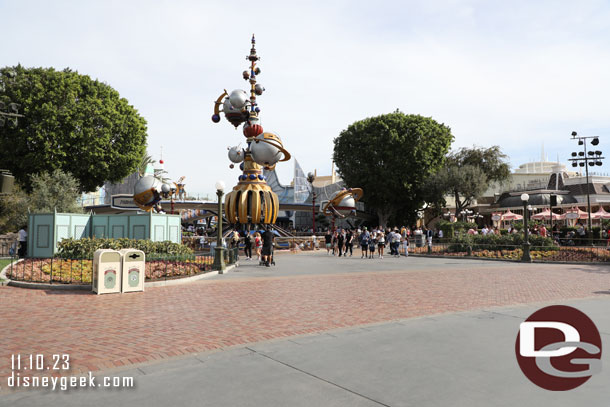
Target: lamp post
point(310, 179)
point(585, 159)
point(219, 258)
point(10, 113)
point(173, 193)
point(526, 243)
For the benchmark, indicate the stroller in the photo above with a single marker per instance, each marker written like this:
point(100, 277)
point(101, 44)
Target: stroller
point(271, 256)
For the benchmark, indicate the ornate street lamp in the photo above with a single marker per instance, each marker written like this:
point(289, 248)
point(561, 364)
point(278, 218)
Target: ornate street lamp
point(526, 242)
point(311, 178)
point(219, 255)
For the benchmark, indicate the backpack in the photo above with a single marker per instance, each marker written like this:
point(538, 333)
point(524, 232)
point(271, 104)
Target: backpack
point(364, 241)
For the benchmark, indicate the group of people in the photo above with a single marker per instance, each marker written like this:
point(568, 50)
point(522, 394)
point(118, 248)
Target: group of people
point(263, 244)
point(371, 243)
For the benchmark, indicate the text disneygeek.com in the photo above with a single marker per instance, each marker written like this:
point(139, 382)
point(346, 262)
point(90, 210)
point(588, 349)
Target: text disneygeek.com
point(65, 383)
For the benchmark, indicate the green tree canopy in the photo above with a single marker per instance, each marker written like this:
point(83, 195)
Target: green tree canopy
point(56, 191)
point(389, 157)
point(466, 175)
point(71, 122)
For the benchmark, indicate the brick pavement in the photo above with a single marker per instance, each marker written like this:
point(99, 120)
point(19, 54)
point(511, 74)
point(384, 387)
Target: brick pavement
point(110, 331)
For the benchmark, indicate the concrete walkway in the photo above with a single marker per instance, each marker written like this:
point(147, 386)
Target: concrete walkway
point(460, 359)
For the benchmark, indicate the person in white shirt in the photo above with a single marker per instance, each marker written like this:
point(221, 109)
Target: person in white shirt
point(23, 241)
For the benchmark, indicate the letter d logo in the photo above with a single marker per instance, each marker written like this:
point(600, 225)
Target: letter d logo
point(558, 348)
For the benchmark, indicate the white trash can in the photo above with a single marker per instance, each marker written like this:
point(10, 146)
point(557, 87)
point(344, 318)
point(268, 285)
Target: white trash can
point(106, 275)
point(134, 271)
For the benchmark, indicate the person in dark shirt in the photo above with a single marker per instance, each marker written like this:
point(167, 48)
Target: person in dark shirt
point(248, 245)
point(349, 242)
point(341, 242)
point(328, 240)
point(267, 243)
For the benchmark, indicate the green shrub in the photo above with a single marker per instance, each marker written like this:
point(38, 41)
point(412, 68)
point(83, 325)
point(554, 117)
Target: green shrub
point(498, 242)
point(84, 248)
point(447, 228)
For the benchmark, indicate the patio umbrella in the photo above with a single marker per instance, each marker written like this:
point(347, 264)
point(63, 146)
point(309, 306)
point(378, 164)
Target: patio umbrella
point(508, 215)
point(546, 215)
point(600, 214)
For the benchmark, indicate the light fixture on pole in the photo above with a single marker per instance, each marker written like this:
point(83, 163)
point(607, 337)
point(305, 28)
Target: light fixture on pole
point(219, 258)
point(585, 159)
point(526, 242)
point(9, 113)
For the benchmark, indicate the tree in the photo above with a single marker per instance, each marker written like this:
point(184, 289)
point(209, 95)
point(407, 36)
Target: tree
point(13, 211)
point(389, 157)
point(467, 174)
point(57, 191)
point(71, 122)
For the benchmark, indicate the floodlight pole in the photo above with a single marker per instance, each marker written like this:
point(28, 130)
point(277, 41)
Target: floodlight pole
point(586, 159)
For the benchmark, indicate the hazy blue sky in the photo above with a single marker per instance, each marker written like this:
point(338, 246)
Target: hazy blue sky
point(517, 74)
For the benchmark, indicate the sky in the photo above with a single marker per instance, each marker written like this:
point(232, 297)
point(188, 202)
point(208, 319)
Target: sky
point(518, 74)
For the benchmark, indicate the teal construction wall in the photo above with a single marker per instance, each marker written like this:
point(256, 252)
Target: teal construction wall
point(46, 230)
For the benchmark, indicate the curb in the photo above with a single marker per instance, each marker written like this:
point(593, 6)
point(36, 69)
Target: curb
point(87, 287)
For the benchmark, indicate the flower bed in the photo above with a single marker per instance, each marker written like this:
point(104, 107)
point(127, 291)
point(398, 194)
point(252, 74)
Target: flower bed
point(553, 253)
point(79, 271)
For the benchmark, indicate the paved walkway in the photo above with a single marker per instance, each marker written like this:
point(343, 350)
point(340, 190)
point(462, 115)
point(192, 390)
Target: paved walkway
point(305, 293)
point(464, 359)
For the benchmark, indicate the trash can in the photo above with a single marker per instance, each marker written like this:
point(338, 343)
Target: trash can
point(134, 272)
point(106, 276)
point(419, 240)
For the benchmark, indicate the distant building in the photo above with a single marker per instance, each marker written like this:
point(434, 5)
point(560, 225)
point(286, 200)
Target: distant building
point(299, 191)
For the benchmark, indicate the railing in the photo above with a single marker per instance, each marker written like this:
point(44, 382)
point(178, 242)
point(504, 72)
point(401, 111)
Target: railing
point(6, 243)
point(558, 253)
point(78, 271)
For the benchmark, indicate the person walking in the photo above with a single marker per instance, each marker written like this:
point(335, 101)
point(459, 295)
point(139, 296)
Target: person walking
point(335, 243)
point(380, 244)
point(394, 240)
point(267, 245)
point(429, 234)
point(248, 246)
point(23, 241)
point(328, 241)
point(372, 244)
point(364, 243)
point(341, 241)
point(258, 242)
point(349, 242)
point(405, 245)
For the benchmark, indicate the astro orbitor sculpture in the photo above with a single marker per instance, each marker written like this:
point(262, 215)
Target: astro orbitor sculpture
point(252, 201)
